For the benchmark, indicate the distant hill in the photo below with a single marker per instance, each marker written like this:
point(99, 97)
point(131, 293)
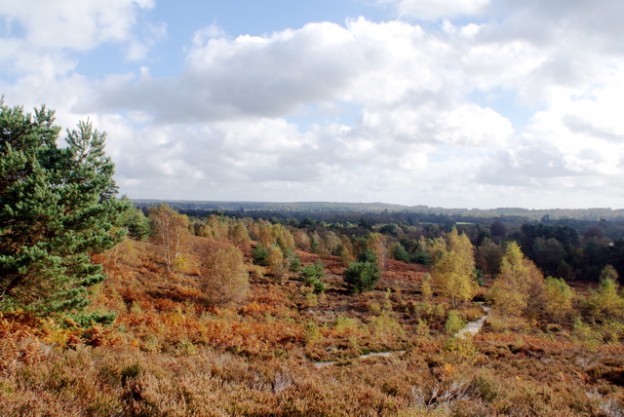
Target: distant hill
point(327, 209)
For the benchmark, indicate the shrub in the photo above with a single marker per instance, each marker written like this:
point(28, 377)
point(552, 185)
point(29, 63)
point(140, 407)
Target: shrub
point(362, 276)
point(426, 288)
point(422, 329)
point(386, 327)
point(294, 262)
point(400, 254)
point(463, 347)
point(454, 322)
point(311, 334)
point(311, 300)
point(367, 256)
point(559, 298)
point(318, 287)
point(422, 258)
point(260, 255)
point(583, 332)
point(604, 303)
point(346, 324)
point(312, 274)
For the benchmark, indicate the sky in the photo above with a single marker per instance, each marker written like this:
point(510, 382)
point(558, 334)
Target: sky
point(452, 103)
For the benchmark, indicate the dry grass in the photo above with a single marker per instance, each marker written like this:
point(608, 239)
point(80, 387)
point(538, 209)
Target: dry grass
point(171, 353)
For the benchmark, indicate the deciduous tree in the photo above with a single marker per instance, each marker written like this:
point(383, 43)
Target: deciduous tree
point(454, 269)
point(605, 303)
point(519, 289)
point(223, 277)
point(169, 232)
point(559, 298)
point(276, 263)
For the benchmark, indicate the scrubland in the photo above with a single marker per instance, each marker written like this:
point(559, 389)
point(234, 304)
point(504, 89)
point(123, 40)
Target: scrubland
point(258, 347)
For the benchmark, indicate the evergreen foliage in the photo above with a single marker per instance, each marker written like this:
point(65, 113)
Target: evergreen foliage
point(260, 255)
point(294, 262)
point(367, 256)
point(57, 207)
point(136, 222)
point(312, 275)
point(362, 276)
point(400, 254)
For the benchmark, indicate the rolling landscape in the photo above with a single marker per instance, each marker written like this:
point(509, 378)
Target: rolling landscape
point(346, 208)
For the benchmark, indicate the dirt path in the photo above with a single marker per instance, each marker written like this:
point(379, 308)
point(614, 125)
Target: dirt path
point(475, 326)
point(470, 329)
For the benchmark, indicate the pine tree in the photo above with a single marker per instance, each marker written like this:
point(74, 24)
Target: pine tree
point(57, 207)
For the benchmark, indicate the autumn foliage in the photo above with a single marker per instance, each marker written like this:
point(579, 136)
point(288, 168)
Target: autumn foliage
point(213, 333)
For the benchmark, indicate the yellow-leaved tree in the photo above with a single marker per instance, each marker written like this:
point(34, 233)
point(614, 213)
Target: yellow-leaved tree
point(223, 275)
point(169, 232)
point(605, 302)
point(239, 236)
point(454, 273)
point(376, 243)
point(519, 289)
point(346, 251)
point(277, 264)
point(559, 300)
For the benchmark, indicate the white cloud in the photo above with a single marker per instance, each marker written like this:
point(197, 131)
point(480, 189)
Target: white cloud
point(139, 46)
point(462, 125)
point(70, 24)
point(365, 111)
point(436, 9)
point(275, 75)
point(44, 39)
point(417, 126)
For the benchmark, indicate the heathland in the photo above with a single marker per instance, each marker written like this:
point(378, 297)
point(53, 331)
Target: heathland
point(108, 309)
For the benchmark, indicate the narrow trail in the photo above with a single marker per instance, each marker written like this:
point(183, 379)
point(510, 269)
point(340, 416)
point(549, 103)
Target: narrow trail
point(470, 329)
point(473, 327)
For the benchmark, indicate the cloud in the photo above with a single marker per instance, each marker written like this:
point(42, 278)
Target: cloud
point(462, 125)
point(45, 39)
point(367, 63)
point(139, 46)
point(575, 143)
point(435, 9)
point(260, 76)
point(70, 24)
point(417, 126)
point(364, 111)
